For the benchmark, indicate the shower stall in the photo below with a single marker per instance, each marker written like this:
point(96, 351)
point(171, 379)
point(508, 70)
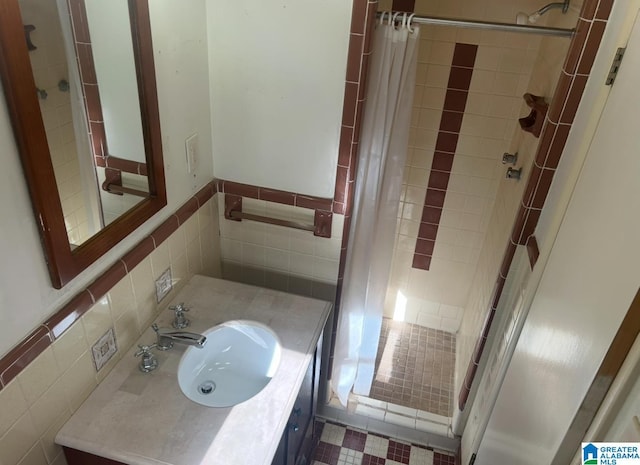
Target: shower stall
point(457, 205)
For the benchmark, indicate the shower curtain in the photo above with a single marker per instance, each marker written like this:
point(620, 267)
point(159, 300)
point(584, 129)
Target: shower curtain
point(383, 151)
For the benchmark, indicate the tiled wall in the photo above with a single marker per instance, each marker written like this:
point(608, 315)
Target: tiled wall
point(49, 66)
point(511, 307)
point(37, 402)
point(545, 155)
point(279, 257)
point(458, 135)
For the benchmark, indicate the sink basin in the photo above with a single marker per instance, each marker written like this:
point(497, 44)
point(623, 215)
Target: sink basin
point(237, 362)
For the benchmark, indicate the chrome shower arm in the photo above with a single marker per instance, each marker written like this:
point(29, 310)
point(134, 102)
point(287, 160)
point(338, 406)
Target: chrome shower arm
point(564, 6)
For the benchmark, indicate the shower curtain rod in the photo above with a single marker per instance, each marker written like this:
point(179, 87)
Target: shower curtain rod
point(493, 26)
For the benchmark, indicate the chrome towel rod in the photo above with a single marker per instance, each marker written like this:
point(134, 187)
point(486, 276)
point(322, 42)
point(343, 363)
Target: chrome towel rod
point(493, 26)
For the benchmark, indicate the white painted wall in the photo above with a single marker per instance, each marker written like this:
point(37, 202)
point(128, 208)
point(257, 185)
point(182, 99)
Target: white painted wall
point(588, 283)
point(180, 44)
point(277, 71)
point(115, 69)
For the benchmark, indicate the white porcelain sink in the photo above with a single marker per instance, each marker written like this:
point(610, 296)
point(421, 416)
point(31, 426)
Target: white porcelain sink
point(238, 360)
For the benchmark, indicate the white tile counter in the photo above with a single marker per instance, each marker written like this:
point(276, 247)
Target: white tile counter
point(144, 419)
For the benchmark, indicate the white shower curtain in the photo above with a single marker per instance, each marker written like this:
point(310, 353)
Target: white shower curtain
point(383, 151)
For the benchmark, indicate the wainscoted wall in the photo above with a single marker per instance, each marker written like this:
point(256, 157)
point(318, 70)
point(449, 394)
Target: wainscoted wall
point(278, 257)
point(41, 398)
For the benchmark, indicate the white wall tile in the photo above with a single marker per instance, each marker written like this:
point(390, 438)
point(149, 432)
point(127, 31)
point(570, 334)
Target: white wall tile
point(70, 346)
point(18, 440)
point(13, 405)
point(97, 320)
point(39, 376)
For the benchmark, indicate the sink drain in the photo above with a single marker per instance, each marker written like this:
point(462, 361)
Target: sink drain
point(207, 387)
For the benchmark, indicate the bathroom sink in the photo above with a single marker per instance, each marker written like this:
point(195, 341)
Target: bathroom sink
point(238, 360)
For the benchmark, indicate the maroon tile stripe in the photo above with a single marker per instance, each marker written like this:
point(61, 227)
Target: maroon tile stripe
point(273, 195)
point(122, 164)
point(90, 90)
point(533, 251)
point(555, 132)
point(43, 336)
point(404, 5)
point(464, 58)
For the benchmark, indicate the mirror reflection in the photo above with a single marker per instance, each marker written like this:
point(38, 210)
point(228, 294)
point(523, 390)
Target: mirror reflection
point(82, 58)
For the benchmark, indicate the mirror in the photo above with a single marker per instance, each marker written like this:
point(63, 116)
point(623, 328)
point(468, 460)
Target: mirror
point(86, 123)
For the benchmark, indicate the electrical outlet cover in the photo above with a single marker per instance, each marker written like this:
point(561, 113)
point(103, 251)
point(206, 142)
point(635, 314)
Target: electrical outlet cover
point(163, 285)
point(104, 349)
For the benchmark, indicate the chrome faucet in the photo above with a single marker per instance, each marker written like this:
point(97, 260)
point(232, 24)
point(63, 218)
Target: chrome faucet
point(167, 337)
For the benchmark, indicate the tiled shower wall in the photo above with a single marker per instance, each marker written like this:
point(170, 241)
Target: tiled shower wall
point(501, 74)
point(278, 257)
point(41, 398)
point(49, 66)
point(547, 67)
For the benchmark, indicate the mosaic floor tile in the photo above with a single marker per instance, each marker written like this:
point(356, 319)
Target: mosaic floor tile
point(342, 445)
point(398, 451)
point(354, 440)
point(376, 446)
point(415, 367)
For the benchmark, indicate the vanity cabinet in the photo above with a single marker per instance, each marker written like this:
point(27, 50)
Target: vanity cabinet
point(300, 437)
point(248, 433)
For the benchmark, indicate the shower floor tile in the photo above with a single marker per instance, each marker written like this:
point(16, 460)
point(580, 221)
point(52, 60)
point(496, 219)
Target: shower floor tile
point(359, 447)
point(415, 367)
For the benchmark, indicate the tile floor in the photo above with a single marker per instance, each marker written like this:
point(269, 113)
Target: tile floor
point(415, 367)
point(342, 445)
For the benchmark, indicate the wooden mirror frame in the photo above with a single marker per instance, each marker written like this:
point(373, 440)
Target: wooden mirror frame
point(63, 263)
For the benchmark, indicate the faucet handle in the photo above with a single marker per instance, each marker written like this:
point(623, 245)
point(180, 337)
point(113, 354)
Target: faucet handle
point(178, 308)
point(145, 350)
point(180, 321)
point(509, 158)
point(149, 361)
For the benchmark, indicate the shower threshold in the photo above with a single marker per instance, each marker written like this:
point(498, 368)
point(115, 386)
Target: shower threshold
point(412, 425)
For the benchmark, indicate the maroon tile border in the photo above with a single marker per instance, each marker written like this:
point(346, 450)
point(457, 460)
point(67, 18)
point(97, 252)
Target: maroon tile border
point(23, 354)
point(273, 195)
point(555, 132)
point(533, 251)
point(464, 57)
point(404, 5)
point(362, 21)
point(35, 343)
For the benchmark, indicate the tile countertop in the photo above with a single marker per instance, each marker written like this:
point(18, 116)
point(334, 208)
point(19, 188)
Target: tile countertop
point(144, 419)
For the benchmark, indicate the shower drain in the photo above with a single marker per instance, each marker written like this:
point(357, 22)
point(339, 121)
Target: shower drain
point(207, 387)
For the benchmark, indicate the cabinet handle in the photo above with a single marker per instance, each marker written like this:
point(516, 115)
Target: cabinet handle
point(294, 427)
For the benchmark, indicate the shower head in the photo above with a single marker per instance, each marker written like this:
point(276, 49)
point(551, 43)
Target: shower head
point(524, 18)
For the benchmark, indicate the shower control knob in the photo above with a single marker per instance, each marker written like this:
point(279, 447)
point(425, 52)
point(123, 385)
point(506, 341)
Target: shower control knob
point(509, 158)
point(513, 173)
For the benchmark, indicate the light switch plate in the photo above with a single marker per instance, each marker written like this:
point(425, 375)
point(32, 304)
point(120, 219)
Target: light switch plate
point(163, 285)
point(104, 349)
